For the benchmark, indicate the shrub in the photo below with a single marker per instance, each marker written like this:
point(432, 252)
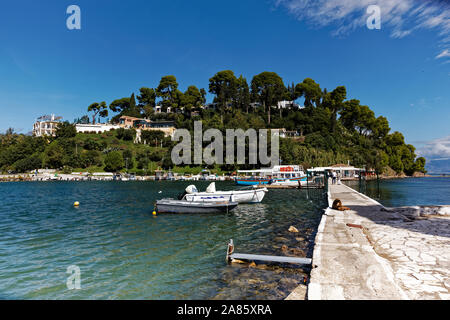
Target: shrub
point(125, 134)
point(27, 164)
point(67, 170)
point(91, 158)
point(91, 144)
point(114, 161)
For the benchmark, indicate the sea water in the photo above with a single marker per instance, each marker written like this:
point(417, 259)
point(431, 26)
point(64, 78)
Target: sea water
point(122, 251)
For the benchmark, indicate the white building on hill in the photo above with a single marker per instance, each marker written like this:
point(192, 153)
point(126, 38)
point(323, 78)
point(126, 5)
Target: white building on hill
point(46, 125)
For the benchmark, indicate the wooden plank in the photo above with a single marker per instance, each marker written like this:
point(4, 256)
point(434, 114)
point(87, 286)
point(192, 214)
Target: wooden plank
point(257, 257)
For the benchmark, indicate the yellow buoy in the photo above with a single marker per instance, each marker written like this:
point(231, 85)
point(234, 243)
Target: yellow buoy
point(76, 204)
point(154, 213)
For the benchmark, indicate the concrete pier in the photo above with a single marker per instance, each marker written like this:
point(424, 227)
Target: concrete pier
point(372, 252)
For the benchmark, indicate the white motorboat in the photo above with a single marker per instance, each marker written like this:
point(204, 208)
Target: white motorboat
point(184, 206)
point(290, 183)
point(244, 195)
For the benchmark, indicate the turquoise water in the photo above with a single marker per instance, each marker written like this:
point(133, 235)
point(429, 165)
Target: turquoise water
point(124, 252)
point(409, 191)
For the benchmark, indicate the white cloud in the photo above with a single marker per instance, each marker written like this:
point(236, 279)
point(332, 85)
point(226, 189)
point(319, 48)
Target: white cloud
point(443, 54)
point(402, 17)
point(436, 149)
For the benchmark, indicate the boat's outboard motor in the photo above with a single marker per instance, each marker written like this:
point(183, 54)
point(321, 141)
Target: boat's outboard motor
point(190, 189)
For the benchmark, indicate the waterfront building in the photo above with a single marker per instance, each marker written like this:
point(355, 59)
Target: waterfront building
point(46, 125)
point(346, 171)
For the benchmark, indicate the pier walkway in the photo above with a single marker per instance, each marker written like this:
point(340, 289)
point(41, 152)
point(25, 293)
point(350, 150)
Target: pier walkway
point(370, 252)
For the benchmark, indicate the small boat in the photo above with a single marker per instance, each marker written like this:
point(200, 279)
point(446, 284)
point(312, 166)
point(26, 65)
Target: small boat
point(288, 183)
point(245, 195)
point(184, 206)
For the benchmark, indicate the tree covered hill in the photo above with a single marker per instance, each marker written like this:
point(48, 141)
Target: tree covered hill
point(331, 128)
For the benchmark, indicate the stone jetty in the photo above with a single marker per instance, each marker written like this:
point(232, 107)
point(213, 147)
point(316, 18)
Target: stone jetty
point(371, 252)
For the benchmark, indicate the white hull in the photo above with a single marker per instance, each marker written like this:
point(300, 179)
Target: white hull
point(240, 196)
point(183, 206)
point(289, 183)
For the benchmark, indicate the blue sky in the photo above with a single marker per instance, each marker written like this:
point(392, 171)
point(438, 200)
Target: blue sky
point(401, 71)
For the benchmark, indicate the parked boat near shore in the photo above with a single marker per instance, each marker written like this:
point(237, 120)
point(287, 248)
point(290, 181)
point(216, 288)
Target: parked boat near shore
point(293, 173)
point(290, 183)
point(184, 206)
point(248, 195)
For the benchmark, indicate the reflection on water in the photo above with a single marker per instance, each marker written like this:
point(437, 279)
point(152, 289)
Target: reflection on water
point(126, 253)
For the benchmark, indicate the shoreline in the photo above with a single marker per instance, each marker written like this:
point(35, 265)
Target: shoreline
point(78, 178)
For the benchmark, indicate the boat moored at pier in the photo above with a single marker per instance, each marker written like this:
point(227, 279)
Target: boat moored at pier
point(277, 174)
point(247, 195)
point(184, 206)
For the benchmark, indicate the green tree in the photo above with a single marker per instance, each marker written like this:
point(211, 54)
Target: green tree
point(203, 93)
point(242, 100)
point(98, 109)
point(268, 88)
point(126, 134)
point(128, 158)
point(65, 130)
point(419, 165)
point(91, 158)
point(366, 121)
point(147, 101)
point(133, 111)
point(83, 120)
point(334, 101)
point(395, 139)
point(120, 105)
point(152, 136)
point(27, 164)
point(311, 91)
point(168, 91)
point(191, 99)
point(92, 144)
point(350, 114)
point(114, 161)
point(380, 128)
point(54, 156)
point(223, 84)
point(143, 159)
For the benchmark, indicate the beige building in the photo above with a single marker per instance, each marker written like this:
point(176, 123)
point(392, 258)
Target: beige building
point(168, 127)
point(46, 125)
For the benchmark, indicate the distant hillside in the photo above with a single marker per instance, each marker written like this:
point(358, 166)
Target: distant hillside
point(438, 166)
